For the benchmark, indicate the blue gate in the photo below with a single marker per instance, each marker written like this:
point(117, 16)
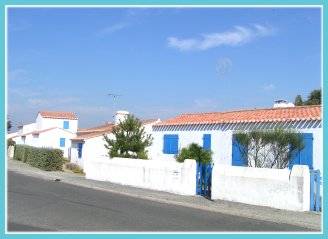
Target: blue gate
point(315, 183)
point(204, 179)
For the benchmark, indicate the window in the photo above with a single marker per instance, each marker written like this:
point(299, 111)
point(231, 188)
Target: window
point(207, 141)
point(66, 124)
point(62, 142)
point(170, 145)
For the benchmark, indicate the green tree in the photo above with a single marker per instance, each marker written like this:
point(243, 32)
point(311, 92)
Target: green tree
point(314, 98)
point(298, 101)
point(130, 140)
point(9, 125)
point(194, 151)
point(269, 149)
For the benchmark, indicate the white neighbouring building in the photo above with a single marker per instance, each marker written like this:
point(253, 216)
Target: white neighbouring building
point(215, 131)
point(89, 143)
point(50, 130)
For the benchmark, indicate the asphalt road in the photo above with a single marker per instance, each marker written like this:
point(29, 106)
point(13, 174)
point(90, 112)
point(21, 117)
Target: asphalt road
point(41, 205)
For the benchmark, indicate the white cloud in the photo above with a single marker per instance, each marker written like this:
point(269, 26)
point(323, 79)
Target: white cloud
point(37, 102)
point(239, 36)
point(112, 28)
point(17, 74)
point(205, 105)
point(269, 87)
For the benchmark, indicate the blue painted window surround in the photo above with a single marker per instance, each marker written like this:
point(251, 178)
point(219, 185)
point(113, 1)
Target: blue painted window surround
point(62, 142)
point(170, 145)
point(66, 124)
point(207, 141)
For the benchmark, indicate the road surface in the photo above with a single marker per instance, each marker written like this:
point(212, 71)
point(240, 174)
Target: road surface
point(47, 205)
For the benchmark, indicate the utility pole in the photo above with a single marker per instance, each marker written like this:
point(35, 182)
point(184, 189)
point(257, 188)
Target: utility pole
point(114, 97)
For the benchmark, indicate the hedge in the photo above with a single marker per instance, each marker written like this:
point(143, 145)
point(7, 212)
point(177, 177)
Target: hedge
point(43, 158)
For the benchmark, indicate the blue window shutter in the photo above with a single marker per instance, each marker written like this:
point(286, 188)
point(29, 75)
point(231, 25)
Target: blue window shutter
point(305, 156)
point(66, 124)
point(237, 158)
point(174, 144)
point(170, 144)
point(62, 142)
point(207, 141)
point(166, 144)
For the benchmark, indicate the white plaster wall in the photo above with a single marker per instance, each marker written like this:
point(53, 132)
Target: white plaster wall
point(93, 148)
point(179, 178)
point(221, 144)
point(51, 139)
point(27, 128)
point(277, 188)
point(46, 123)
point(149, 130)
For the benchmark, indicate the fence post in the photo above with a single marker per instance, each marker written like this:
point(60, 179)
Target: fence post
point(317, 191)
point(311, 190)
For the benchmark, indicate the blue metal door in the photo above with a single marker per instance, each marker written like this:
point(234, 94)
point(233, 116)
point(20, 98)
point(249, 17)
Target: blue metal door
point(204, 179)
point(305, 156)
point(237, 158)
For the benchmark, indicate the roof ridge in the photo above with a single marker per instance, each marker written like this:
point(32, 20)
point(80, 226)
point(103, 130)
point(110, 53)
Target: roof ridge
point(248, 110)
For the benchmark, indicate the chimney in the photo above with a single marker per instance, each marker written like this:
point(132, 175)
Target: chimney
point(282, 104)
point(120, 116)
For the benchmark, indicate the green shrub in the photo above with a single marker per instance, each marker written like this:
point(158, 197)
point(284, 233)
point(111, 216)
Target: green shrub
point(194, 151)
point(43, 158)
point(74, 167)
point(10, 142)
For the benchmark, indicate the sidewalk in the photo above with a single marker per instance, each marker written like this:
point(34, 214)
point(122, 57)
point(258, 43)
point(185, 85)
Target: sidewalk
point(311, 220)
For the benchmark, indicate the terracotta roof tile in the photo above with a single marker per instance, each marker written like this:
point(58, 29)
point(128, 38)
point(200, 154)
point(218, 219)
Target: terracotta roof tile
point(106, 128)
point(58, 115)
point(248, 116)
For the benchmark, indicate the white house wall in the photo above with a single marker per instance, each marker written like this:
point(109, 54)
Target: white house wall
point(27, 128)
point(93, 148)
point(51, 139)
point(45, 123)
point(221, 143)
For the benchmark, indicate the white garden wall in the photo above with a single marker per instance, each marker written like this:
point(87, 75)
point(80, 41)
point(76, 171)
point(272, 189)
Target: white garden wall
point(277, 188)
point(179, 178)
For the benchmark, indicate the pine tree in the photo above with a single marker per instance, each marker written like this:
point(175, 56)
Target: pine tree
point(9, 125)
point(314, 98)
point(130, 140)
point(298, 101)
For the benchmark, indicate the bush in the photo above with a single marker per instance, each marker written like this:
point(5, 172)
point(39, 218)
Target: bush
point(43, 158)
point(10, 142)
point(194, 151)
point(74, 167)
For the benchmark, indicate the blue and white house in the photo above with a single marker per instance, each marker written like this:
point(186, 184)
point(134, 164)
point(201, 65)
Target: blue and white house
point(50, 130)
point(215, 131)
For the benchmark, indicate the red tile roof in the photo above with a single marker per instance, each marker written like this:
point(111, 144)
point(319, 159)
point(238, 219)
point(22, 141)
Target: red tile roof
point(99, 128)
point(58, 115)
point(102, 130)
point(248, 116)
point(40, 132)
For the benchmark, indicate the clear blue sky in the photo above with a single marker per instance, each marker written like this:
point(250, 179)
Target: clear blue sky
point(164, 61)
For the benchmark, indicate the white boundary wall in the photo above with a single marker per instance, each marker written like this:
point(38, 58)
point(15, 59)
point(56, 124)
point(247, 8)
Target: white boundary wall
point(277, 188)
point(173, 177)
